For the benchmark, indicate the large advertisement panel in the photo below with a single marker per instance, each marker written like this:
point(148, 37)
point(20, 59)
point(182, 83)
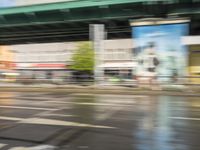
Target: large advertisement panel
point(159, 50)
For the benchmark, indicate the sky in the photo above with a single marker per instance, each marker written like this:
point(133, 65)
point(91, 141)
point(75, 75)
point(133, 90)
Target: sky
point(11, 3)
point(7, 3)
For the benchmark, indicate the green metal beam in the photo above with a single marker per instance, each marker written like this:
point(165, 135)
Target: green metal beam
point(68, 21)
point(78, 4)
point(65, 5)
point(83, 10)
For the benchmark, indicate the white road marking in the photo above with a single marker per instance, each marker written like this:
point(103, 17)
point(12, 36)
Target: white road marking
point(122, 96)
point(58, 115)
point(20, 148)
point(43, 121)
point(2, 145)
point(109, 95)
point(108, 114)
point(10, 118)
point(91, 104)
point(185, 118)
point(44, 112)
point(29, 108)
point(83, 147)
point(41, 147)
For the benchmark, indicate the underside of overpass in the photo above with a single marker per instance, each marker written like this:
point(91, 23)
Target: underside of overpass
point(69, 21)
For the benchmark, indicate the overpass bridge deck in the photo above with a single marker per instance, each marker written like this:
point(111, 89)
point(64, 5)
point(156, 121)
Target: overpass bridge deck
point(69, 21)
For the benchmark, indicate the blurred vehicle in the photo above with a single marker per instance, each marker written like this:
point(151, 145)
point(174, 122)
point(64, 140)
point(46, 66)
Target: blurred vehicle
point(116, 80)
point(129, 82)
point(8, 76)
point(25, 79)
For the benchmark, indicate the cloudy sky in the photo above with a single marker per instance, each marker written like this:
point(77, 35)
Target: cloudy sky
point(10, 3)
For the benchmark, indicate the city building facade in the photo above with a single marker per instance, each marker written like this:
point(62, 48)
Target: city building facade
point(193, 43)
point(53, 60)
point(6, 63)
point(6, 59)
point(119, 58)
point(50, 60)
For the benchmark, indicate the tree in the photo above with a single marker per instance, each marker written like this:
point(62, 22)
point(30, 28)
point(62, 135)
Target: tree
point(83, 58)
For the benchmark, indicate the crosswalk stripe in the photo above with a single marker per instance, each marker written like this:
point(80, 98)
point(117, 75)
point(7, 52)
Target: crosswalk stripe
point(40, 147)
point(185, 118)
point(43, 121)
point(2, 145)
point(90, 104)
point(19, 148)
point(10, 118)
point(108, 113)
point(30, 108)
point(58, 115)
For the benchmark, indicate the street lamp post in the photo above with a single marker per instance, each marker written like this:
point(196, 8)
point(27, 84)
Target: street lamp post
point(97, 35)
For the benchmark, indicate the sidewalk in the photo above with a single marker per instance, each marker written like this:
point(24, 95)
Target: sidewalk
point(176, 90)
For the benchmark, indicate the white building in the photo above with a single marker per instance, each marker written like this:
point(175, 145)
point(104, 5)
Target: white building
point(118, 57)
point(49, 60)
point(52, 60)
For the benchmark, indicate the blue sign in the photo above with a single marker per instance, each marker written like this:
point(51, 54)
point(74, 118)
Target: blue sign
point(159, 49)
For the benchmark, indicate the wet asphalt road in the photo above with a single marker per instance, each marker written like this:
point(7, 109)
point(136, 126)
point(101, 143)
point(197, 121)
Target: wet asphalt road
point(48, 121)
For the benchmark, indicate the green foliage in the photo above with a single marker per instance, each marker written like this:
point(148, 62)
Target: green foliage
point(83, 58)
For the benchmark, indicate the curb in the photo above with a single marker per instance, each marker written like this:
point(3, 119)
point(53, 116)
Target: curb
point(92, 90)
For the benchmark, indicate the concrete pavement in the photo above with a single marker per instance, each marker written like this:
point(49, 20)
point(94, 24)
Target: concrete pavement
point(175, 90)
point(47, 120)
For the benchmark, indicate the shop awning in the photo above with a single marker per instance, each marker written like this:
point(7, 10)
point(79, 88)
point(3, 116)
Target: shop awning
point(122, 65)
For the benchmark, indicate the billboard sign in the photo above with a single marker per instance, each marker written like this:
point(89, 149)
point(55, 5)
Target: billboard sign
point(159, 49)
